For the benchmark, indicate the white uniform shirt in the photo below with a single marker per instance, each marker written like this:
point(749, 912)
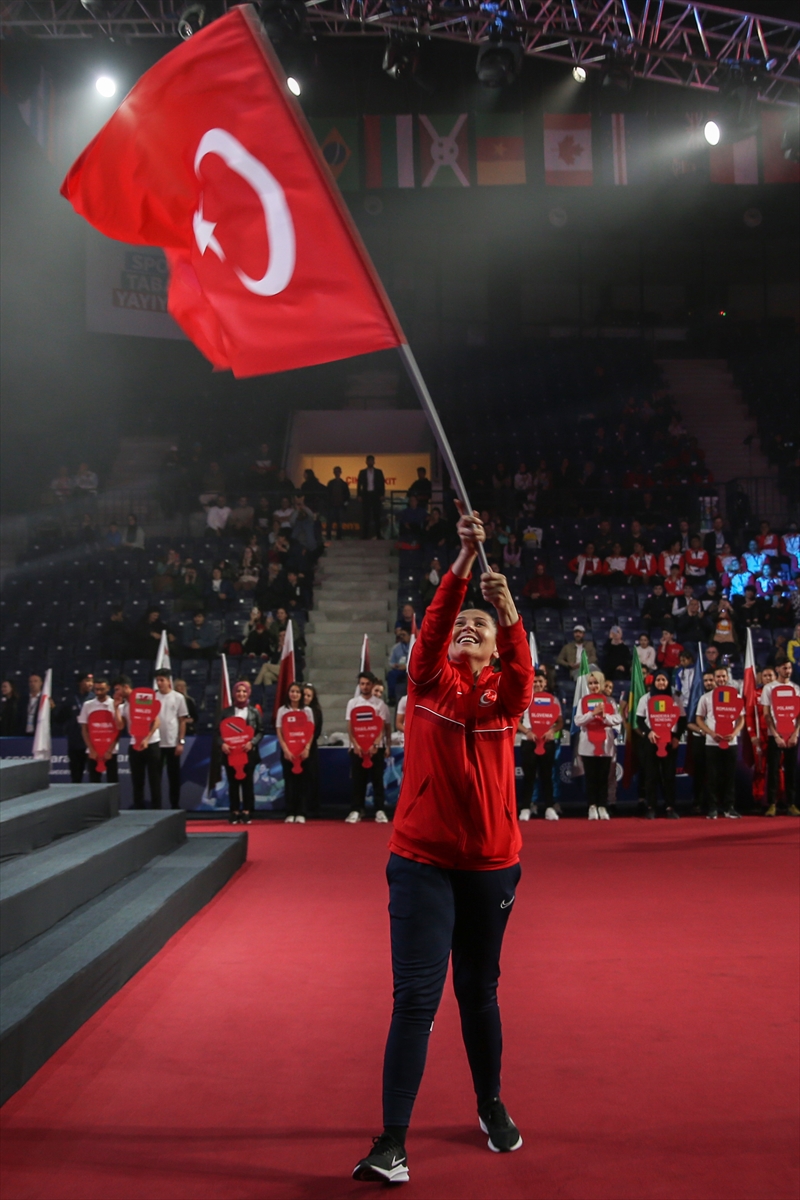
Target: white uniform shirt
point(586, 746)
point(94, 705)
point(402, 705)
point(378, 705)
point(173, 707)
point(705, 710)
point(766, 693)
point(286, 708)
point(125, 712)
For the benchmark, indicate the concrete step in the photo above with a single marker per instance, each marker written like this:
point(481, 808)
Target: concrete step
point(353, 637)
point(19, 777)
point(29, 822)
point(341, 677)
point(347, 658)
point(364, 591)
point(52, 985)
point(320, 626)
point(41, 888)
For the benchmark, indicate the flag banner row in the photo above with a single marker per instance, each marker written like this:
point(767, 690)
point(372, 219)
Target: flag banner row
point(462, 150)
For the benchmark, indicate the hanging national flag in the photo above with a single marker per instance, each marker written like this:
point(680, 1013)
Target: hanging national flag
point(638, 689)
point(443, 151)
point(286, 671)
point(568, 149)
point(40, 114)
point(365, 654)
point(777, 169)
point(696, 690)
point(163, 661)
point(210, 157)
point(338, 141)
point(499, 148)
point(623, 148)
point(751, 745)
point(534, 649)
point(42, 744)
point(389, 151)
point(581, 690)
point(736, 162)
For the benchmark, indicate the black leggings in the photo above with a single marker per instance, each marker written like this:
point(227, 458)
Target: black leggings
point(241, 794)
point(721, 775)
point(295, 788)
point(660, 774)
point(537, 766)
point(597, 769)
point(434, 912)
point(360, 777)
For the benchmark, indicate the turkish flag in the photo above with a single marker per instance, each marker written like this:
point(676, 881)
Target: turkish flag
point(210, 157)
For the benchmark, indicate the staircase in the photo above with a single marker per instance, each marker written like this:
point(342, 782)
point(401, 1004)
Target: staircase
point(87, 896)
point(356, 594)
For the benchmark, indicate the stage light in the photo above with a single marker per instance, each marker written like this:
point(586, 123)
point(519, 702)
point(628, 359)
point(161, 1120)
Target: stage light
point(579, 74)
point(401, 57)
point(191, 20)
point(293, 86)
point(499, 61)
point(711, 133)
point(106, 86)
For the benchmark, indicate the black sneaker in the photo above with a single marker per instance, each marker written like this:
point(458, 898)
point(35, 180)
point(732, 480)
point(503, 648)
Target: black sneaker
point(672, 815)
point(386, 1162)
point(733, 814)
point(503, 1133)
point(712, 814)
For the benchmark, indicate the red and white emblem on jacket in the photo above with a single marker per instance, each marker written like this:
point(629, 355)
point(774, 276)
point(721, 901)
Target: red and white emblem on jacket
point(488, 697)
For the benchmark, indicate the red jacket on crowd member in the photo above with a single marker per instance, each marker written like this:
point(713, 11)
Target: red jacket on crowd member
point(669, 655)
point(666, 559)
point(727, 565)
point(641, 566)
point(540, 587)
point(769, 543)
point(457, 807)
point(674, 585)
point(695, 563)
point(591, 566)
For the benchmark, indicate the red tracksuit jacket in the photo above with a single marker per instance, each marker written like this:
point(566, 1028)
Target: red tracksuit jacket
point(457, 805)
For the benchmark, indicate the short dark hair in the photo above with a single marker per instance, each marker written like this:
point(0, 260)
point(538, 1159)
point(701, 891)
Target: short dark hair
point(163, 673)
point(124, 680)
point(367, 675)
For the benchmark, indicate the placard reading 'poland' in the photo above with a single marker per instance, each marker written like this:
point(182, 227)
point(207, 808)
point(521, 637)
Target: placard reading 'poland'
point(126, 289)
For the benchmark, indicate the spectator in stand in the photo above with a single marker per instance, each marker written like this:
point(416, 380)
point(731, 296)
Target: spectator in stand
point(313, 489)
point(766, 583)
point(190, 595)
point(220, 594)
point(587, 566)
point(641, 566)
point(523, 480)
point(199, 638)
point(262, 518)
point(541, 589)
point(430, 583)
point(116, 638)
point(191, 707)
point(720, 762)
point(370, 490)
point(406, 618)
point(781, 749)
point(692, 625)
point(113, 538)
point(646, 653)
point(685, 535)
point(217, 516)
point(709, 597)
point(62, 486)
point(675, 583)
point(269, 671)
point(749, 612)
point(616, 657)
point(715, 539)
point(297, 599)
point(768, 542)
point(411, 522)
point(753, 559)
point(671, 560)
point(147, 634)
point(272, 590)
point(659, 771)
point(569, 655)
point(616, 565)
point(282, 620)
point(713, 658)
point(683, 679)
point(261, 637)
point(421, 488)
point(9, 709)
point(695, 561)
point(793, 653)
point(359, 775)
point(134, 534)
point(597, 756)
point(726, 564)
point(337, 500)
point(295, 785)
point(87, 531)
point(724, 633)
point(241, 516)
point(213, 486)
point(249, 573)
point(604, 543)
point(400, 714)
point(86, 484)
point(777, 654)
point(657, 608)
point(304, 530)
point(790, 549)
point(262, 470)
point(669, 652)
point(398, 662)
point(512, 552)
point(434, 534)
point(739, 582)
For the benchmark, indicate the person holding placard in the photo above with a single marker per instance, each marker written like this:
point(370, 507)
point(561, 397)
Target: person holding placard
point(370, 732)
point(660, 720)
point(540, 726)
point(140, 712)
point(294, 725)
point(454, 854)
point(172, 721)
point(597, 719)
point(720, 716)
point(780, 706)
point(311, 701)
point(101, 734)
point(240, 731)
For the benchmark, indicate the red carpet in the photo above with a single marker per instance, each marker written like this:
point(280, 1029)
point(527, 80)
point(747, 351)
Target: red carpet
point(650, 1003)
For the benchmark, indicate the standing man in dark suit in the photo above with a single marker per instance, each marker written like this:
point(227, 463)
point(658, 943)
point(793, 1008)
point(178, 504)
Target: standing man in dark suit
point(371, 490)
point(337, 500)
point(714, 540)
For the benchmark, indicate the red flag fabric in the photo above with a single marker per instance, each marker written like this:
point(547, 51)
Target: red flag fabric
point(752, 743)
point(210, 157)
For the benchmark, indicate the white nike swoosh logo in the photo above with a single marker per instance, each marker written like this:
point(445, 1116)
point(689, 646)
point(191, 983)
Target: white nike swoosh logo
point(397, 1162)
point(507, 903)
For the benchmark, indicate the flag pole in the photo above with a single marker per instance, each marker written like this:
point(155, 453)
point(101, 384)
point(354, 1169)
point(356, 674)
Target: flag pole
point(445, 449)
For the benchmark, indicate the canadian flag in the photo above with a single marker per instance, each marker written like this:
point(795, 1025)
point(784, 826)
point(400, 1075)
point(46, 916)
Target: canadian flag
point(286, 671)
point(568, 149)
point(210, 157)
